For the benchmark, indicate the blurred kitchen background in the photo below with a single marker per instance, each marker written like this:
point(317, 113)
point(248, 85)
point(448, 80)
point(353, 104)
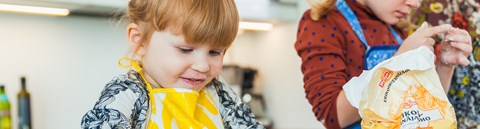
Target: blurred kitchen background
point(67, 60)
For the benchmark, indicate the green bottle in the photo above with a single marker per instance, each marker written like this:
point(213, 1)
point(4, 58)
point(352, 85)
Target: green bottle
point(24, 116)
point(5, 119)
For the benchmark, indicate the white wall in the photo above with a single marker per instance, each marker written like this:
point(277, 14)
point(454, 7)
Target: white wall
point(68, 60)
point(280, 78)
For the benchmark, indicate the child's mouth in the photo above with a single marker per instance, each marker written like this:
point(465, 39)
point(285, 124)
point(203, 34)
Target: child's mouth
point(193, 81)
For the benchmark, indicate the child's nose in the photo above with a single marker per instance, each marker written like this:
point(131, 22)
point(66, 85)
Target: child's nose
point(201, 65)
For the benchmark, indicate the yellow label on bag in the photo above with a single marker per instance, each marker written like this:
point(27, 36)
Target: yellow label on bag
point(406, 99)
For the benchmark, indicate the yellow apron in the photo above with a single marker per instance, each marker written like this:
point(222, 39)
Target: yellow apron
point(179, 108)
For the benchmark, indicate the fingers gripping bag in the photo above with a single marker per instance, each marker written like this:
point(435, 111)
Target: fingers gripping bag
point(402, 92)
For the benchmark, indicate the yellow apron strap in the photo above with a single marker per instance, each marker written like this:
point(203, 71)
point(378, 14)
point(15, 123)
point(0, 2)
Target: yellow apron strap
point(130, 63)
point(133, 64)
point(196, 110)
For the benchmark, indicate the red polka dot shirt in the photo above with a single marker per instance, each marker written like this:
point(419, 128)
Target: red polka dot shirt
point(332, 54)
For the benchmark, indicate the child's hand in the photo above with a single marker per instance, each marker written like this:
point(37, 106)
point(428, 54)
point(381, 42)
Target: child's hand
point(456, 47)
point(422, 37)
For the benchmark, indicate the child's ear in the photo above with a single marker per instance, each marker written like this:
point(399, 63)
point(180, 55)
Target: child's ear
point(134, 36)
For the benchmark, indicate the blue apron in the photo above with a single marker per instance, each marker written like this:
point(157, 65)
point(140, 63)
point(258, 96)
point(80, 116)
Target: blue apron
point(374, 54)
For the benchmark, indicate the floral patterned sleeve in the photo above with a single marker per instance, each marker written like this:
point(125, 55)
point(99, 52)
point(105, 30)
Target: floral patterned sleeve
point(122, 105)
point(235, 113)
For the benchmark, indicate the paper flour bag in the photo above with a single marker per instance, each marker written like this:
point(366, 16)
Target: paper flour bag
point(403, 92)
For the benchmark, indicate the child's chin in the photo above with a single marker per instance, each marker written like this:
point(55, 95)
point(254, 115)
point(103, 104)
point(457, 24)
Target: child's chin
point(197, 88)
point(394, 21)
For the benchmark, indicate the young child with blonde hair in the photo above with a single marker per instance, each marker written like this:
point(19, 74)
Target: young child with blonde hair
point(179, 47)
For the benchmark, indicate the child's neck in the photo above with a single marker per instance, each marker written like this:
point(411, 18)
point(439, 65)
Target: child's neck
point(151, 81)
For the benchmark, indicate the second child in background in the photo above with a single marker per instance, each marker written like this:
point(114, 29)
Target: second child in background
point(338, 39)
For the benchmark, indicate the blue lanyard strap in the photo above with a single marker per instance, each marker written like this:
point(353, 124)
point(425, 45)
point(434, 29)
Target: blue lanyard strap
point(396, 36)
point(352, 20)
point(347, 12)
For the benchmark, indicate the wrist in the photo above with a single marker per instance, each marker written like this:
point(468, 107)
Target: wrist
point(443, 65)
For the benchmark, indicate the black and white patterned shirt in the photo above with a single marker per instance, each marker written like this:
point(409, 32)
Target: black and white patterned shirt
point(124, 104)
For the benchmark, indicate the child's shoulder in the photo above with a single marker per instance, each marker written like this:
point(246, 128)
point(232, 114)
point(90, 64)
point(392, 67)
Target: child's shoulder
point(223, 90)
point(125, 82)
point(122, 103)
point(330, 14)
point(121, 79)
point(330, 18)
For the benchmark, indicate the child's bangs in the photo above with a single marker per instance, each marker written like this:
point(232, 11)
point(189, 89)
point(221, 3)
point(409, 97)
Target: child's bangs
point(212, 22)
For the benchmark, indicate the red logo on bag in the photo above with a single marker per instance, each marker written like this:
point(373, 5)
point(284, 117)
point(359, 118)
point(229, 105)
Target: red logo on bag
point(386, 75)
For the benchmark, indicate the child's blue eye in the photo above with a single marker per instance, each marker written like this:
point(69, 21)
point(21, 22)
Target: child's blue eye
point(185, 50)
